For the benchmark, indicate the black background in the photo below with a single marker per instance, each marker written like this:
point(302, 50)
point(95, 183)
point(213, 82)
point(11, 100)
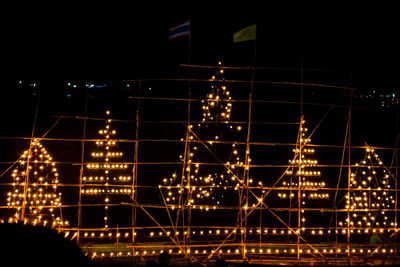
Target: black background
point(108, 44)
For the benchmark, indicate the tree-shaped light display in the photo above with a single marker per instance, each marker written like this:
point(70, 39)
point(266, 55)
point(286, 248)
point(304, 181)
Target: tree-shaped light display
point(370, 202)
point(35, 199)
point(302, 179)
point(106, 176)
point(204, 187)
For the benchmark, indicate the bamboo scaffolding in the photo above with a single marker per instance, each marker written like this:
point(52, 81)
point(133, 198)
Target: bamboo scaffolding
point(252, 237)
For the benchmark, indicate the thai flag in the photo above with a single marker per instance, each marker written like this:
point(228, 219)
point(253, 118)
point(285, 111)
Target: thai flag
point(180, 30)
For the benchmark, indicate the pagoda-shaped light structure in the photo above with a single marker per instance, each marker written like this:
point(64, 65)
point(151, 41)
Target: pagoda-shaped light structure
point(34, 198)
point(302, 181)
point(106, 176)
point(370, 201)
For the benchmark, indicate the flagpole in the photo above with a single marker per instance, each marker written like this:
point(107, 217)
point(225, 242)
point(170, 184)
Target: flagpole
point(246, 34)
point(247, 153)
point(190, 45)
point(189, 211)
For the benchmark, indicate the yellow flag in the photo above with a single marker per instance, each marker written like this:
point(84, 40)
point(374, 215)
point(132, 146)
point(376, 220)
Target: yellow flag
point(246, 34)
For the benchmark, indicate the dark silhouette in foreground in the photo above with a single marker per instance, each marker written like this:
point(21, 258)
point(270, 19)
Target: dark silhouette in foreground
point(151, 263)
point(221, 263)
point(25, 245)
point(164, 259)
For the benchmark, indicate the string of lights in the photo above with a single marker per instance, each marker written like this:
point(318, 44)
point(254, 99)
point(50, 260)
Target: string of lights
point(252, 143)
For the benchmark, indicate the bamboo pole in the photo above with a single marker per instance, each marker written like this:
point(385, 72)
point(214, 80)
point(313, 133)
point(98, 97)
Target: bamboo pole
point(135, 173)
point(82, 167)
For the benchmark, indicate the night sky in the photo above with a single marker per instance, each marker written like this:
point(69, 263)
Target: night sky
point(104, 45)
point(107, 41)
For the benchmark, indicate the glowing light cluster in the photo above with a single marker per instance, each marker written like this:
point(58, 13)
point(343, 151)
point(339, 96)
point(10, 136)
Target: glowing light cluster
point(108, 191)
point(102, 178)
point(203, 189)
point(302, 181)
point(307, 184)
point(108, 177)
point(217, 106)
point(299, 171)
point(254, 251)
point(223, 232)
point(34, 198)
point(107, 166)
point(369, 201)
point(106, 143)
point(109, 154)
point(107, 234)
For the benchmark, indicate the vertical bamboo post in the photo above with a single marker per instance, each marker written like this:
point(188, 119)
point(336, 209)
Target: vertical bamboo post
point(82, 167)
point(396, 151)
point(246, 173)
point(300, 142)
point(189, 196)
point(349, 175)
point(300, 158)
point(26, 182)
point(135, 172)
